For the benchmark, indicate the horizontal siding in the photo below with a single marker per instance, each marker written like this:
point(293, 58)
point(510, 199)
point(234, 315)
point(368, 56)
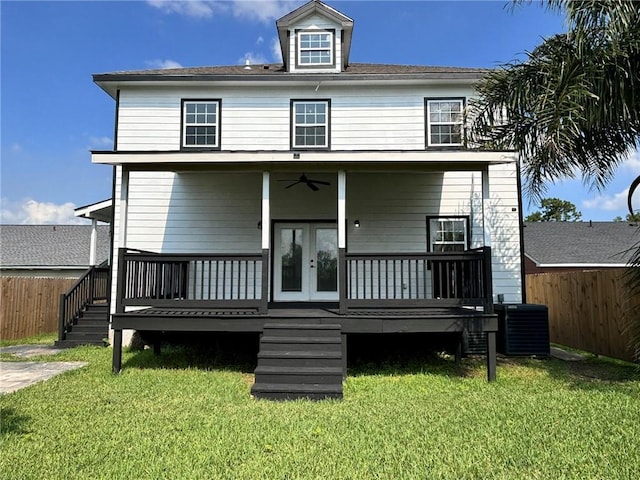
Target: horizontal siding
point(505, 232)
point(259, 118)
point(194, 212)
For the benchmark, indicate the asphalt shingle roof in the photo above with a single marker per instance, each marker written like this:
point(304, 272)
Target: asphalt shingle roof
point(580, 242)
point(278, 70)
point(50, 245)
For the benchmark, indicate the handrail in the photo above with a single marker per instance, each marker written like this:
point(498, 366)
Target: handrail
point(380, 280)
point(191, 280)
point(91, 286)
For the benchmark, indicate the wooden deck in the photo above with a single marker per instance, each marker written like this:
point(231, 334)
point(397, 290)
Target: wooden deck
point(378, 294)
point(382, 321)
point(356, 321)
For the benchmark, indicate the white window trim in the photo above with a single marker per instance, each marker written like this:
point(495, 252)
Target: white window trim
point(434, 223)
point(325, 124)
point(430, 123)
point(215, 124)
point(310, 49)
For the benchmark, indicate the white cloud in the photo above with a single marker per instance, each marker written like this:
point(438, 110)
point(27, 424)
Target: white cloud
point(192, 8)
point(616, 201)
point(259, 40)
point(163, 64)
point(253, 58)
point(16, 148)
point(632, 164)
point(100, 141)
point(32, 212)
point(261, 11)
point(276, 51)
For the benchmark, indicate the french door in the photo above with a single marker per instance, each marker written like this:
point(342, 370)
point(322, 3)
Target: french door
point(305, 262)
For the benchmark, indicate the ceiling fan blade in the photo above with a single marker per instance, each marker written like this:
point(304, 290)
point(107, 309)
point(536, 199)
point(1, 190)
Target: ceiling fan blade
point(319, 182)
point(312, 186)
point(294, 183)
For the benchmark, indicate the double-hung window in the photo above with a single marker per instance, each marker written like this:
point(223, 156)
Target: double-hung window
point(201, 124)
point(315, 48)
point(448, 234)
point(310, 124)
point(445, 122)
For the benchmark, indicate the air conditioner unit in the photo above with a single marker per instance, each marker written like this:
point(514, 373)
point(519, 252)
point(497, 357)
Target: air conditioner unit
point(523, 329)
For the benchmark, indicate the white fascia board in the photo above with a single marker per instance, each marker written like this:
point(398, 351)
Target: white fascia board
point(582, 265)
point(100, 211)
point(221, 157)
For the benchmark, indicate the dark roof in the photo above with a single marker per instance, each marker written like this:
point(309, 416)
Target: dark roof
point(584, 243)
point(278, 71)
point(44, 246)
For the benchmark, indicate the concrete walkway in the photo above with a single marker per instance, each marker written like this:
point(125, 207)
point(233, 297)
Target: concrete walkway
point(17, 375)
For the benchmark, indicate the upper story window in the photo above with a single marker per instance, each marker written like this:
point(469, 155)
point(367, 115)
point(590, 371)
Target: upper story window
point(445, 122)
point(315, 48)
point(201, 123)
point(310, 124)
point(448, 234)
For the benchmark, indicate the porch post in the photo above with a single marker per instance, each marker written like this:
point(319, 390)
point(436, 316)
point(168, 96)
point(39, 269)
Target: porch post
point(486, 227)
point(486, 207)
point(266, 238)
point(117, 351)
point(94, 241)
point(342, 240)
point(491, 356)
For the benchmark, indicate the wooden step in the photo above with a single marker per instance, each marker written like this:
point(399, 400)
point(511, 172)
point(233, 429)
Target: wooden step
point(299, 375)
point(299, 360)
point(283, 391)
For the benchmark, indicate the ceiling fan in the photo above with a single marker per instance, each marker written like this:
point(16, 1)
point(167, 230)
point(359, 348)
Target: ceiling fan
point(312, 184)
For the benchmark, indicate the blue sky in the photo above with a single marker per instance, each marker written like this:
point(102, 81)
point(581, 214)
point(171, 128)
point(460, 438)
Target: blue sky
point(52, 114)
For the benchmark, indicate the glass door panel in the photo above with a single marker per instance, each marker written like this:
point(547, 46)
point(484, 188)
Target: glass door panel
point(291, 244)
point(326, 259)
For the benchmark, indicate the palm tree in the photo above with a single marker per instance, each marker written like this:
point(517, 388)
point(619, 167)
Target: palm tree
point(572, 107)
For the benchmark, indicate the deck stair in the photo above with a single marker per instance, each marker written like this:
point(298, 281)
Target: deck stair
point(299, 360)
point(91, 327)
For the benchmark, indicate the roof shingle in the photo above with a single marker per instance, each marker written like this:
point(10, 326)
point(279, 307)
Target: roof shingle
point(50, 245)
point(580, 242)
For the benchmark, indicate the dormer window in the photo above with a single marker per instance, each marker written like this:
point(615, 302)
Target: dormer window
point(315, 48)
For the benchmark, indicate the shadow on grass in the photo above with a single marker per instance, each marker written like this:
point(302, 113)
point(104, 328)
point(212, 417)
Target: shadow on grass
point(12, 422)
point(367, 354)
point(592, 373)
point(205, 351)
point(403, 354)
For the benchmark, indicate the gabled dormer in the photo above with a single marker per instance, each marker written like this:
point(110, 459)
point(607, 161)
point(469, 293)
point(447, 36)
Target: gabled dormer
point(315, 38)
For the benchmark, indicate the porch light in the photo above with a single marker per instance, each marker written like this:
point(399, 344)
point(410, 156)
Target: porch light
point(356, 224)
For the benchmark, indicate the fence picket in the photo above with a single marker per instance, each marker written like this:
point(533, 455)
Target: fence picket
point(29, 306)
point(586, 309)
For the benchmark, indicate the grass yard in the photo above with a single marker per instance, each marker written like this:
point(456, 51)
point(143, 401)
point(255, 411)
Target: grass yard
point(184, 416)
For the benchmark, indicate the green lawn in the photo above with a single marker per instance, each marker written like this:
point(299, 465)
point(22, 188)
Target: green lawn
point(183, 416)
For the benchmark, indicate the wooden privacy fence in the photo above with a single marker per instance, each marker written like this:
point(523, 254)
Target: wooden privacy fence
point(29, 306)
point(586, 309)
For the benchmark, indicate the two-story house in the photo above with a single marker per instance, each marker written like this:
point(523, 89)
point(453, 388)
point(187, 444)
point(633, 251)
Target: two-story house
point(318, 194)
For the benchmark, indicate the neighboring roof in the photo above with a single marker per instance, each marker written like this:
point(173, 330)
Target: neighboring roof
point(50, 246)
point(588, 244)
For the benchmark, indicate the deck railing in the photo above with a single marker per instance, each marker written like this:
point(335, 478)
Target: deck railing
point(418, 280)
point(191, 280)
point(92, 286)
point(367, 280)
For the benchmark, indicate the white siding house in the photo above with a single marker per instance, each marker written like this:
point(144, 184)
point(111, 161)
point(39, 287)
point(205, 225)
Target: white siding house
point(319, 179)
